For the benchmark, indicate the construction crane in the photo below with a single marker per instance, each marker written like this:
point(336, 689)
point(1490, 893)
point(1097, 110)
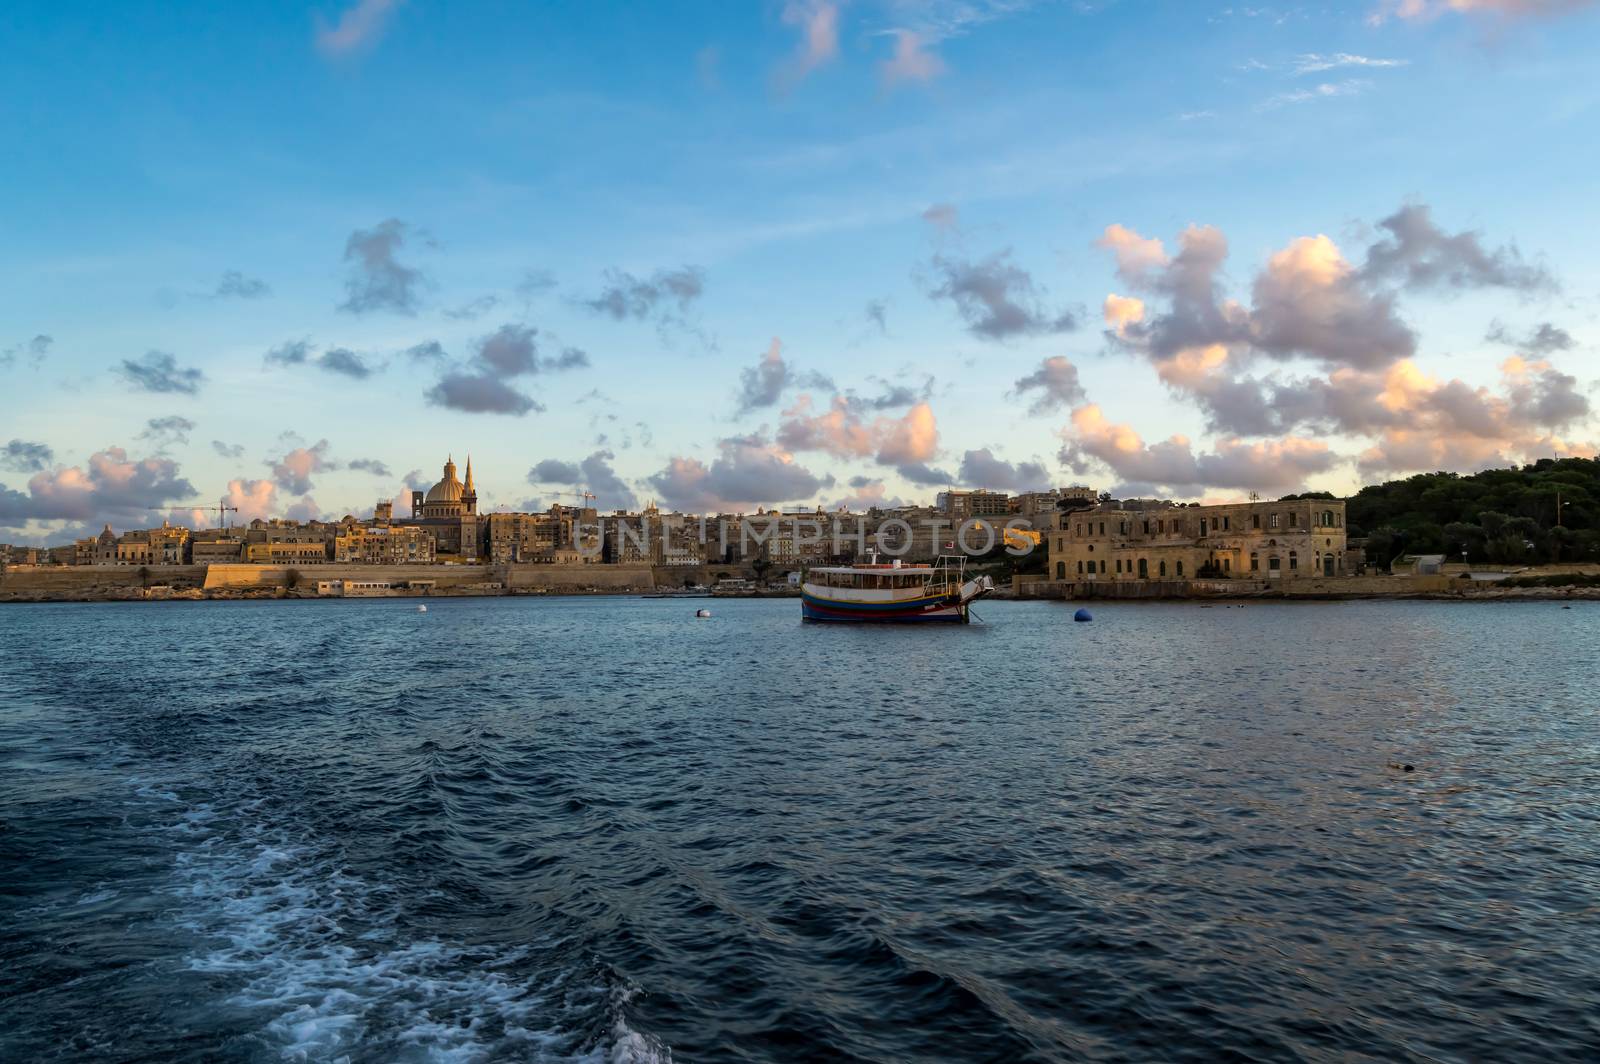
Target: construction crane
point(586, 496)
point(222, 509)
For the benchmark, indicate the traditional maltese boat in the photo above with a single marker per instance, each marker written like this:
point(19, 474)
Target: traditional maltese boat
point(891, 592)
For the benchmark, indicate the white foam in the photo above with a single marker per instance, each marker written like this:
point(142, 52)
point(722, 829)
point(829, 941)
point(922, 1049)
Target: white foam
point(321, 956)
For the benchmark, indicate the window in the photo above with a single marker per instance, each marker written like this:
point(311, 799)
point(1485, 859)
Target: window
point(1161, 526)
point(1102, 528)
point(1272, 564)
point(1080, 530)
point(1255, 562)
point(1225, 524)
point(1119, 565)
point(1227, 564)
point(1080, 568)
point(1144, 569)
point(1255, 520)
point(1091, 548)
point(1147, 528)
point(1122, 528)
point(1180, 568)
point(1061, 570)
point(1163, 568)
point(1272, 520)
point(1213, 524)
point(1294, 560)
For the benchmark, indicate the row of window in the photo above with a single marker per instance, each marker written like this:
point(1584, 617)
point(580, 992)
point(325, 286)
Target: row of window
point(1219, 523)
point(1274, 563)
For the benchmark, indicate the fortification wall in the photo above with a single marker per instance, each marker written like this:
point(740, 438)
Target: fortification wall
point(48, 579)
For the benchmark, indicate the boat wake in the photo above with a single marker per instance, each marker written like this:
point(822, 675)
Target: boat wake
point(316, 963)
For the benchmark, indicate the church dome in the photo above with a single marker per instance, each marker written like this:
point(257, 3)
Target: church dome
point(447, 490)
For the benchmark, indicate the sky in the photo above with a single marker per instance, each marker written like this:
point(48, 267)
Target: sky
point(727, 255)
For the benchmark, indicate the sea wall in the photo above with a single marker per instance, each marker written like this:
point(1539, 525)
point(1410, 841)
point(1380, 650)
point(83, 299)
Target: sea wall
point(24, 580)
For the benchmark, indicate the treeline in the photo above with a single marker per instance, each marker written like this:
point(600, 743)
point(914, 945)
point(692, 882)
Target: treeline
point(1545, 512)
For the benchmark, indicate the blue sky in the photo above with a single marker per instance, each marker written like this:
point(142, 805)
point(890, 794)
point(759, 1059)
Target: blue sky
point(723, 255)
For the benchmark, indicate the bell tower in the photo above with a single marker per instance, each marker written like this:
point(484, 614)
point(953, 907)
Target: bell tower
point(469, 495)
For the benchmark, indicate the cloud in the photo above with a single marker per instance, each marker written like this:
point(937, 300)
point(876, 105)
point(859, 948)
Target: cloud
point(426, 351)
point(866, 493)
point(628, 297)
point(510, 351)
point(1309, 301)
point(167, 431)
point(761, 385)
point(36, 350)
point(481, 386)
point(111, 488)
point(1420, 10)
point(1056, 381)
point(288, 353)
point(1313, 63)
point(294, 470)
point(877, 314)
point(997, 299)
point(920, 473)
point(479, 393)
point(535, 283)
point(610, 491)
point(818, 24)
point(359, 25)
point(159, 372)
point(304, 509)
point(1543, 340)
point(1323, 91)
point(942, 216)
point(551, 471)
point(254, 499)
point(228, 450)
point(1269, 466)
point(1418, 255)
point(378, 280)
point(345, 362)
point(748, 472)
point(911, 62)
point(844, 432)
point(473, 310)
point(369, 465)
point(236, 285)
point(24, 456)
point(981, 469)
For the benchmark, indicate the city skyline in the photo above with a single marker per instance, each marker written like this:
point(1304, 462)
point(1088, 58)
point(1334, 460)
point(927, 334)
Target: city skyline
point(795, 254)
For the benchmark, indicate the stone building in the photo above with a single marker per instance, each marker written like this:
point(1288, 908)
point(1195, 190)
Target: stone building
point(1164, 541)
point(961, 505)
point(380, 545)
point(154, 546)
point(449, 512)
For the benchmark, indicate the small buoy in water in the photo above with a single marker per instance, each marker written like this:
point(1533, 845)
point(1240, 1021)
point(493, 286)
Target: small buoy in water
point(703, 614)
point(422, 609)
point(1402, 767)
point(1082, 616)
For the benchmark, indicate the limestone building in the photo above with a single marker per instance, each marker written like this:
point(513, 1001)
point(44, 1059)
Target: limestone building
point(449, 512)
point(1267, 541)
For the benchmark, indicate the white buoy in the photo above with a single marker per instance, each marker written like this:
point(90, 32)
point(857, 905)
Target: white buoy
point(703, 615)
point(422, 609)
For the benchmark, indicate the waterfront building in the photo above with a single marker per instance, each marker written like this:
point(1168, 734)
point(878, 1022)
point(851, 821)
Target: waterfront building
point(1141, 540)
point(449, 512)
point(216, 545)
point(382, 545)
point(155, 546)
point(960, 505)
point(287, 552)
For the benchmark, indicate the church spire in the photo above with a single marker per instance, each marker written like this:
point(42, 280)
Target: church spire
point(468, 485)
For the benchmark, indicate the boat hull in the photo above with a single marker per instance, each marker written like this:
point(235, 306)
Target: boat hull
point(948, 609)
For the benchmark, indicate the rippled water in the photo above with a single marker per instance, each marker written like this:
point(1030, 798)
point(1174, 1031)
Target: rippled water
point(598, 829)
